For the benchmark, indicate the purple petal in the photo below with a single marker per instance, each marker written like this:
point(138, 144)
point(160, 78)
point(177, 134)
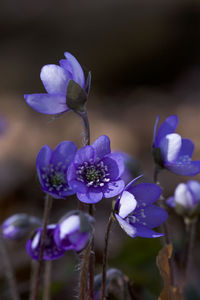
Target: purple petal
point(151, 216)
point(129, 229)
point(43, 159)
point(146, 232)
point(89, 198)
point(77, 72)
point(46, 103)
point(64, 152)
point(167, 127)
point(81, 241)
point(183, 196)
point(101, 146)
point(145, 193)
point(77, 186)
point(65, 64)
point(119, 162)
point(113, 188)
point(181, 168)
point(69, 225)
point(132, 182)
point(54, 79)
point(170, 201)
point(127, 204)
point(85, 154)
point(194, 187)
point(155, 129)
point(95, 195)
point(187, 148)
point(170, 147)
point(115, 167)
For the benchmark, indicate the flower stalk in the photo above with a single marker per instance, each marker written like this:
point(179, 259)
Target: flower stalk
point(35, 291)
point(9, 271)
point(105, 257)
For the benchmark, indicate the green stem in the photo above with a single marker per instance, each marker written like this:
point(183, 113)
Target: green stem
point(35, 291)
point(8, 270)
point(105, 257)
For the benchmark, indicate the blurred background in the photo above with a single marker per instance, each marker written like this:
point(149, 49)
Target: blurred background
point(145, 60)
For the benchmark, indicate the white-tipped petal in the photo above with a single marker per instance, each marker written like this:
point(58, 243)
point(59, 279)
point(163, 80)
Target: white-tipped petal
point(170, 146)
point(127, 204)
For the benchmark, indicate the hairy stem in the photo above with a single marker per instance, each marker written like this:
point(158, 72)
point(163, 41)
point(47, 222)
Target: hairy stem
point(165, 228)
point(47, 208)
point(8, 270)
point(105, 257)
point(47, 280)
point(190, 238)
point(83, 290)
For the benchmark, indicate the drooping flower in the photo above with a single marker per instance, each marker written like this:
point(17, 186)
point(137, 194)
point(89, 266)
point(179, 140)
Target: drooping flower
point(17, 226)
point(74, 230)
point(52, 166)
point(186, 199)
point(51, 250)
point(135, 212)
point(56, 80)
point(173, 152)
point(95, 172)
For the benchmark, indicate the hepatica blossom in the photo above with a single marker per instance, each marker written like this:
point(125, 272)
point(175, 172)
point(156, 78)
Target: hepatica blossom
point(55, 80)
point(95, 172)
point(51, 250)
point(173, 152)
point(52, 166)
point(135, 212)
point(74, 230)
point(186, 199)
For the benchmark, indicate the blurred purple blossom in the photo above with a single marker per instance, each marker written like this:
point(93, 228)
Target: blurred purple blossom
point(96, 172)
point(51, 251)
point(135, 212)
point(55, 80)
point(17, 226)
point(52, 166)
point(74, 230)
point(186, 199)
point(171, 151)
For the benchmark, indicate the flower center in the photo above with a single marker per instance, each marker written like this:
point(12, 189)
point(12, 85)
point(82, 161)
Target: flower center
point(93, 174)
point(54, 178)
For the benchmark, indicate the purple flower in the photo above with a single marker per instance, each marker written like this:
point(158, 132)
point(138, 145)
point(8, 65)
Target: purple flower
point(52, 169)
point(17, 226)
point(55, 80)
point(95, 172)
point(135, 211)
point(51, 250)
point(171, 151)
point(186, 199)
point(74, 230)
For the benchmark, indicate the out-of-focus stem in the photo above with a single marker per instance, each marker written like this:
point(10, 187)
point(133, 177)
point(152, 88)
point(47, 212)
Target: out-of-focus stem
point(105, 257)
point(8, 270)
point(47, 208)
point(190, 238)
point(83, 289)
point(47, 280)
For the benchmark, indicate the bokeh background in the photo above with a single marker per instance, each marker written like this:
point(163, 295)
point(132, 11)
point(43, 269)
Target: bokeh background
point(145, 60)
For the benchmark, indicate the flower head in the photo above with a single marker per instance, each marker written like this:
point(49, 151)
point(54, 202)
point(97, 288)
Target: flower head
point(52, 169)
point(171, 151)
point(95, 172)
point(135, 212)
point(17, 226)
point(56, 80)
point(186, 199)
point(74, 230)
point(51, 250)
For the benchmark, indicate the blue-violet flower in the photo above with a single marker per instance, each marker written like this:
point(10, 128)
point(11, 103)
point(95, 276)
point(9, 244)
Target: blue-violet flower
point(51, 250)
point(171, 151)
point(186, 199)
point(135, 212)
point(95, 172)
point(55, 80)
point(52, 169)
point(18, 226)
point(73, 231)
